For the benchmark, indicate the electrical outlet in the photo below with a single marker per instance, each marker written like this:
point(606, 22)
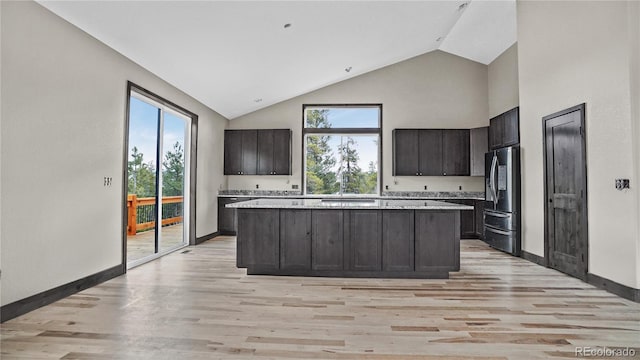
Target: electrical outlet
point(294, 186)
point(107, 181)
point(425, 187)
point(386, 187)
point(460, 187)
point(622, 184)
point(257, 186)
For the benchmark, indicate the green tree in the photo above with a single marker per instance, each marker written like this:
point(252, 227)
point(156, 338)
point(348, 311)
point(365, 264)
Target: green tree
point(142, 178)
point(351, 174)
point(173, 171)
point(321, 179)
point(370, 179)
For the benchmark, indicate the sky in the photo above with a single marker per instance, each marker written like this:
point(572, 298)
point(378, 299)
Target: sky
point(143, 129)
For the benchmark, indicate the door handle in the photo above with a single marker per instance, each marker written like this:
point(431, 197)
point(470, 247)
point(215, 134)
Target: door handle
point(494, 189)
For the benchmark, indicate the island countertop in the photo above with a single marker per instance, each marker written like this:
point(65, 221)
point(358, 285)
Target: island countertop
point(381, 204)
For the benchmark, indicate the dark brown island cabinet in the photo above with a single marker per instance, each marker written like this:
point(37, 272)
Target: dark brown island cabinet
point(504, 129)
point(257, 152)
point(349, 243)
point(431, 152)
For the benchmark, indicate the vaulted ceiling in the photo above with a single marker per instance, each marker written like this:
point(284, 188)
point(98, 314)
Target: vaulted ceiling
point(239, 56)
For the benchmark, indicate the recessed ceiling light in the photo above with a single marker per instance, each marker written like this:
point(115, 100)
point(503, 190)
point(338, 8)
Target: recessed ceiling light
point(257, 100)
point(348, 69)
point(287, 25)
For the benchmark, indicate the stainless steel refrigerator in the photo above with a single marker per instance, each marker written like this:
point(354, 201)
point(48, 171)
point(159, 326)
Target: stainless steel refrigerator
point(502, 199)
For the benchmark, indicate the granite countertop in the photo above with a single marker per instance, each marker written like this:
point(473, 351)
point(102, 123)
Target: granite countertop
point(414, 195)
point(348, 204)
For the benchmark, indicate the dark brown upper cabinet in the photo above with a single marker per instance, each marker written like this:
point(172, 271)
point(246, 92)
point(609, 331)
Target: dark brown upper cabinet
point(274, 152)
point(405, 152)
point(479, 145)
point(455, 152)
point(257, 152)
point(430, 152)
point(504, 129)
point(240, 152)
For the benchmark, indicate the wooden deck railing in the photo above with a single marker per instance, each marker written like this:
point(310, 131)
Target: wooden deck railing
point(137, 223)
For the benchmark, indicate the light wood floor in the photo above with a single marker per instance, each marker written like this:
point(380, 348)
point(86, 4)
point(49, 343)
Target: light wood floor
point(198, 305)
point(143, 244)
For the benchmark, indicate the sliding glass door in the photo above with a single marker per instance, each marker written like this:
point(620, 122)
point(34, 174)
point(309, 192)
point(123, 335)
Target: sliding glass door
point(158, 178)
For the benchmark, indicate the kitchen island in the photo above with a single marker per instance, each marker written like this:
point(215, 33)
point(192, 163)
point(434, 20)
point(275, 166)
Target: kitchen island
point(349, 238)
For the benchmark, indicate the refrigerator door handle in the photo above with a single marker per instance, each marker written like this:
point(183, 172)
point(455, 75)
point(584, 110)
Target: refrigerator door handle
point(492, 182)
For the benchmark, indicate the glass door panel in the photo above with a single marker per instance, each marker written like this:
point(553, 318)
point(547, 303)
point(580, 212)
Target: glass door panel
point(174, 135)
point(158, 174)
point(144, 119)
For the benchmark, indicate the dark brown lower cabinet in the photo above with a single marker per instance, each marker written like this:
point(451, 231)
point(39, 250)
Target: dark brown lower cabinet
point(259, 231)
point(227, 218)
point(295, 239)
point(327, 240)
point(431, 252)
point(365, 239)
point(467, 219)
point(478, 210)
point(397, 240)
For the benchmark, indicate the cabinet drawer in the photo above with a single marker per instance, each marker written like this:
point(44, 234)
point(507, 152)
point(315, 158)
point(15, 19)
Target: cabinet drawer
point(499, 220)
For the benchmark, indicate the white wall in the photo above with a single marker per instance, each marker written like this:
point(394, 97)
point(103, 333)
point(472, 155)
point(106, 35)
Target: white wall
point(570, 53)
point(63, 114)
point(0, 158)
point(434, 90)
point(634, 70)
point(503, 82)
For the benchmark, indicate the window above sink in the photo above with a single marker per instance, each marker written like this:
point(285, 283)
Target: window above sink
point(342, 149)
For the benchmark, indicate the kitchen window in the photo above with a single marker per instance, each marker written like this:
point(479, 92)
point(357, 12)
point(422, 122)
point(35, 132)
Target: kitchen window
point(342, 149)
